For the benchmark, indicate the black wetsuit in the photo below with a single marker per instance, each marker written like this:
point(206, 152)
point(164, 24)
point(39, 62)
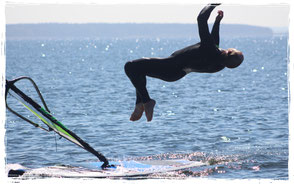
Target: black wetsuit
point(204, 57)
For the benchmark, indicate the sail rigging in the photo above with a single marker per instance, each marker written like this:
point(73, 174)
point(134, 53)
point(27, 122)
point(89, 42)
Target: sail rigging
point(46, 117)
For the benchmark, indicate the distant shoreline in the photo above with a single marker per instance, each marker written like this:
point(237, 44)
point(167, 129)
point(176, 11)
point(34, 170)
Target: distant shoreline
point(130, 30)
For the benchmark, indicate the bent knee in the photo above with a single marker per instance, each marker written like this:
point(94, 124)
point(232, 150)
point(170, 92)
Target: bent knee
point(129, 67)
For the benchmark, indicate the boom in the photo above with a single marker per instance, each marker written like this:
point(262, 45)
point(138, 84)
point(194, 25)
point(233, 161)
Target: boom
point(46, 117)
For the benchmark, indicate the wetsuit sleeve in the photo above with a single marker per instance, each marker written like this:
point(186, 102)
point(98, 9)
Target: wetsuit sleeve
point(205, 37)
point(215, 32)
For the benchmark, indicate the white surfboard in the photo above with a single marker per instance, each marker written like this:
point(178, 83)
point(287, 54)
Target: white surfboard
point(121, 169)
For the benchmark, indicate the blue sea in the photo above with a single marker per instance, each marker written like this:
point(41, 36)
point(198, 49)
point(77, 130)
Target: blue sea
point(236, 119)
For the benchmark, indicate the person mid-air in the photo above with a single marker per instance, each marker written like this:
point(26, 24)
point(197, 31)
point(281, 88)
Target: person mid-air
point(203, 57)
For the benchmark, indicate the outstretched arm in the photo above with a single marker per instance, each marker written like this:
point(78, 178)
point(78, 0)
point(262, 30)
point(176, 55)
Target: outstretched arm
point(215, 28)
point(202, 18)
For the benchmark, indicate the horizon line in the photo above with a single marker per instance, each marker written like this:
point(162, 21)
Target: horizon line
point(84, 23)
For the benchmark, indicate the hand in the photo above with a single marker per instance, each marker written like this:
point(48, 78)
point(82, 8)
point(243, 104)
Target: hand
point(220, 15)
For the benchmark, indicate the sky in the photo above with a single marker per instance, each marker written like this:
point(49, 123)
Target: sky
point(265, 13)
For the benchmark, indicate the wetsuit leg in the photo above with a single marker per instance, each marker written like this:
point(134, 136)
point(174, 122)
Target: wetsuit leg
point(137, 76)
point(205, 36)
point(164, 69)
point(138, 97)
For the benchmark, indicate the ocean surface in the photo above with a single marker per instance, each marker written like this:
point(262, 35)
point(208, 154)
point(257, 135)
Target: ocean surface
point(236, 119)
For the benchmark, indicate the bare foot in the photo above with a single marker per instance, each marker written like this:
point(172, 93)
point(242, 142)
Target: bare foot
point(138, 112)
point(149, 107)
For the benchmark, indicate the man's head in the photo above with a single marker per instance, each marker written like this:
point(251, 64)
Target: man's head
point(233, 58)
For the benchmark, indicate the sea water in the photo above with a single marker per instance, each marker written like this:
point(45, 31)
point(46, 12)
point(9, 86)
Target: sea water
point(236, 119)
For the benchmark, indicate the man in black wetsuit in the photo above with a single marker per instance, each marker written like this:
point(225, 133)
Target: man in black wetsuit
point(203, 57)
